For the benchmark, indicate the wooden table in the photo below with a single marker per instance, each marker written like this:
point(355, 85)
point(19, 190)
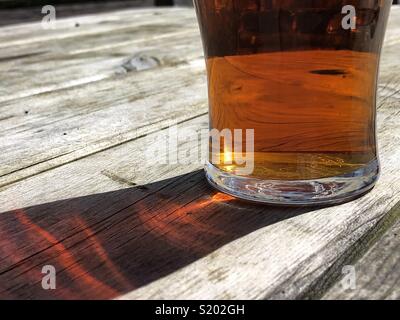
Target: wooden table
point(80, 105)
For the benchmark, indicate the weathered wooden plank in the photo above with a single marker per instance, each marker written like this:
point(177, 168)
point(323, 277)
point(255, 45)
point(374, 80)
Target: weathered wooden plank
point(117, 174)
point(393, 27)
point(82, 68)
point(34, 119)
point(66, 56)
point(68, 69)
point(34, 32)
point(112, 109)
point(377, 274)
point(127, 161)
point(15, 12)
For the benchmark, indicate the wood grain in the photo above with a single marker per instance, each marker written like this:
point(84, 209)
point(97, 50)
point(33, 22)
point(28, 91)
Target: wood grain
point(377, 272)
point(117, 224)
point(16, 12)
point(69, 55)
point(50, 109)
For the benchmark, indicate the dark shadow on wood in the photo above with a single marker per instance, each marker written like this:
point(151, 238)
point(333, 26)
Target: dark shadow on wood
point(104, 245)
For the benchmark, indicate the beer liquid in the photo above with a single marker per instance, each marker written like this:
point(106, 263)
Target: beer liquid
point(293, 73)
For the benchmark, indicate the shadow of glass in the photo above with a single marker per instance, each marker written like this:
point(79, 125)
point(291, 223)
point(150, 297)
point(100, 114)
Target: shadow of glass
point(105, 245)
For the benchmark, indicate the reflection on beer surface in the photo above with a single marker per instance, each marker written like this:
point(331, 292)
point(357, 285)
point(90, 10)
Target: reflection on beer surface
point(292, 71)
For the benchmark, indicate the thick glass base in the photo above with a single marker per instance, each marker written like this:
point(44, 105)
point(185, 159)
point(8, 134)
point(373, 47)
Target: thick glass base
point(326, 191)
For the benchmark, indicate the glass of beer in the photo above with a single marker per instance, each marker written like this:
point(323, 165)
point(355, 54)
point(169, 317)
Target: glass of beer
point(292, 97)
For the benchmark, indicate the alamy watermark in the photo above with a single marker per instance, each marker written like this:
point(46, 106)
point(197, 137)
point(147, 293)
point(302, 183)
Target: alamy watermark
point(49, 278)
point(350, 20)
point(349, 280)
point(233, 148)
point(49, 20)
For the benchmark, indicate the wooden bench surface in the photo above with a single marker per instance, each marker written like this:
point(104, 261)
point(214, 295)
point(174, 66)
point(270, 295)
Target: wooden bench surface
point(80, 106)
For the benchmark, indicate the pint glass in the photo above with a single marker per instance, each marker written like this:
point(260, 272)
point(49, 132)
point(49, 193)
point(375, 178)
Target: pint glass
point(292, 97)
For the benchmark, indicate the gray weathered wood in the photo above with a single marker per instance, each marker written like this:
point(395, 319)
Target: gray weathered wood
point(12, 12)
point(50, 111)
point(378, 272)
point(117, 225)
point(69, 56)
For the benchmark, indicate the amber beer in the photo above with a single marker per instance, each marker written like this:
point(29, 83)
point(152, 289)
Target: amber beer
point(303, 75)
